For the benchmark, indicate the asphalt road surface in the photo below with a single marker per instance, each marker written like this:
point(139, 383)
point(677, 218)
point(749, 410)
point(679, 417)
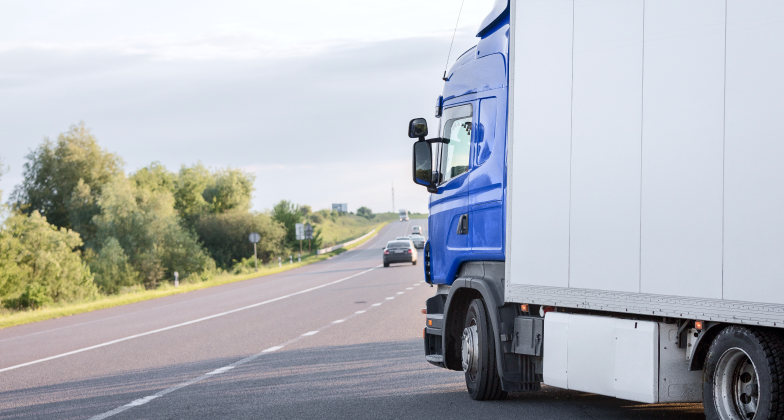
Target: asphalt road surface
point(340, 339)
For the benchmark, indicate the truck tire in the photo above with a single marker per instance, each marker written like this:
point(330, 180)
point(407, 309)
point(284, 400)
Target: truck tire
point(386, 264)
point(478, 355)
point(744, 375)
point(413, 262)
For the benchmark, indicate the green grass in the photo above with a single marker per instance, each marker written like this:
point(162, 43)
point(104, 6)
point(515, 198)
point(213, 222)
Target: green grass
point(348, 227)
point(11, 318)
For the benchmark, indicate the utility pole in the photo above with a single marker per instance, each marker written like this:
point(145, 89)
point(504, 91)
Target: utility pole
point(393, 197)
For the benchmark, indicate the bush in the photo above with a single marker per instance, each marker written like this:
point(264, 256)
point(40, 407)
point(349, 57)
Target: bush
point(32, 251)
point(35, 296)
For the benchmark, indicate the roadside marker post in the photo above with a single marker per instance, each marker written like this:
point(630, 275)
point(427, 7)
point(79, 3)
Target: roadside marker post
point(299, 256)
point(279, 263)
point(255, 238)
point(176, 279)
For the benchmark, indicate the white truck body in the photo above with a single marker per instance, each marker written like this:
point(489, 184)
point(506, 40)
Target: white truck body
point(645, 175)
point(646, 157)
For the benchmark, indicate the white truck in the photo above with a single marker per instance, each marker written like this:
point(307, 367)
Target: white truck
point(630, 239)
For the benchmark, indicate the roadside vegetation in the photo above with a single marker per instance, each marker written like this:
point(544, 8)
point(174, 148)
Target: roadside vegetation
point(79, 233)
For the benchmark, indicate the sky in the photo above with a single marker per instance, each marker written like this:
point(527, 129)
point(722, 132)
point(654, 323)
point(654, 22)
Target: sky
point(313, 97)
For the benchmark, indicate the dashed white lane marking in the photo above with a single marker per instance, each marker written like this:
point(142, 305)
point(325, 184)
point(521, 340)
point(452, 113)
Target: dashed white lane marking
point(338, 321)
point(400, 293)
point(390, 298)
point(417, 284)
point(141, 401)
point(149, 398)
point(221, 370)
point(376, 304)
point(171, 327)
point(409, 288)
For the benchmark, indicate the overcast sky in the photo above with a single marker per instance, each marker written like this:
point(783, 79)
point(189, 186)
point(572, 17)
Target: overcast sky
point(312, 96)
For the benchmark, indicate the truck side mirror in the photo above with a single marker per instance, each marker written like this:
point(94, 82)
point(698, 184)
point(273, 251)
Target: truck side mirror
point(423, 164)
point(417, 128)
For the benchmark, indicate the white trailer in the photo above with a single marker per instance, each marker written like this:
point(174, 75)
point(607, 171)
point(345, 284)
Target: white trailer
point(645, 197)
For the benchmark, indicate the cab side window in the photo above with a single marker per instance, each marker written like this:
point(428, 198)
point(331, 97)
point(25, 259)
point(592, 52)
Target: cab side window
point(457, 127)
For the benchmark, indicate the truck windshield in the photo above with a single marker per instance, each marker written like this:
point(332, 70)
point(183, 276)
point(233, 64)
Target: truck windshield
point(457, 128)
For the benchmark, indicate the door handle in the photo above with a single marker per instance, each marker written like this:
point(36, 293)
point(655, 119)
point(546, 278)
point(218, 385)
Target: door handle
point(462, 225)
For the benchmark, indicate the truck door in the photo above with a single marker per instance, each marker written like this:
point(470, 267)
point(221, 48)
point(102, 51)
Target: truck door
point(486, 221)
point(449, 235)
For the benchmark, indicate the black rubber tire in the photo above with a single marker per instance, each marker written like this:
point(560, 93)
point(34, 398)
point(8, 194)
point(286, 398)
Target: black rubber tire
point(765, 348)
point(414, 262)
point(386, 264)
point(487, 384)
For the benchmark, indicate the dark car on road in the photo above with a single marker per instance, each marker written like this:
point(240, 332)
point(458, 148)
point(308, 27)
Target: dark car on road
point(418, 240)
point(402, 251)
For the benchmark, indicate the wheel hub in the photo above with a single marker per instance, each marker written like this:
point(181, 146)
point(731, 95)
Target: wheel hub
point(469, 350)
point(736, 386)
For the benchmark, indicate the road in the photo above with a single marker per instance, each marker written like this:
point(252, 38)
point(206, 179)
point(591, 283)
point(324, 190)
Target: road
point(340, 339)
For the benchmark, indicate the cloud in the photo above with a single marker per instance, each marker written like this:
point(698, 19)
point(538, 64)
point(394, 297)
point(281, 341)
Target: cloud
point(323, 125)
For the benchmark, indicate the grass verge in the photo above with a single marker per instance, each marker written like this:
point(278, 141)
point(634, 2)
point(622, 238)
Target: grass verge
point(166, 289)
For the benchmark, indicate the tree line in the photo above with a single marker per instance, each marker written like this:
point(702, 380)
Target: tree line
point(78, 225)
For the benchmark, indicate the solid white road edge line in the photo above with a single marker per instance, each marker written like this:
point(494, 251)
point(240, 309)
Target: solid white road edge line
point(145, 400)
point(171, 327)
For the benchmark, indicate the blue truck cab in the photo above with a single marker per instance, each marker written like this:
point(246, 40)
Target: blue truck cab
point(467, 211)
point(464, 169)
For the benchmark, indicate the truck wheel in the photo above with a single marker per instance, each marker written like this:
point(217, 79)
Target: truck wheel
point(744, 375)
point(386, 264)
point(478, 354)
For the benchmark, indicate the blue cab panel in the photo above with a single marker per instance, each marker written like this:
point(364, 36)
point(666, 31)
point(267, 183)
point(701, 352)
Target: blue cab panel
point(477, 81)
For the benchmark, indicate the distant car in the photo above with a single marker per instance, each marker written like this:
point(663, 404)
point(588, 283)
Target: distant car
point(399, 252)
point(416, 230)
point(418, 240)
point(403, 238)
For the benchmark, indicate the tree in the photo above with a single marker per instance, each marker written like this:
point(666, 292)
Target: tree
point(38, 259)
point(63, 179)
point(148, 229)
point(229, 190)
point(111, 267)
point(155, 177)
point(225, 236)
point(189, 189)
point(365, 212)
point(288, 214)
